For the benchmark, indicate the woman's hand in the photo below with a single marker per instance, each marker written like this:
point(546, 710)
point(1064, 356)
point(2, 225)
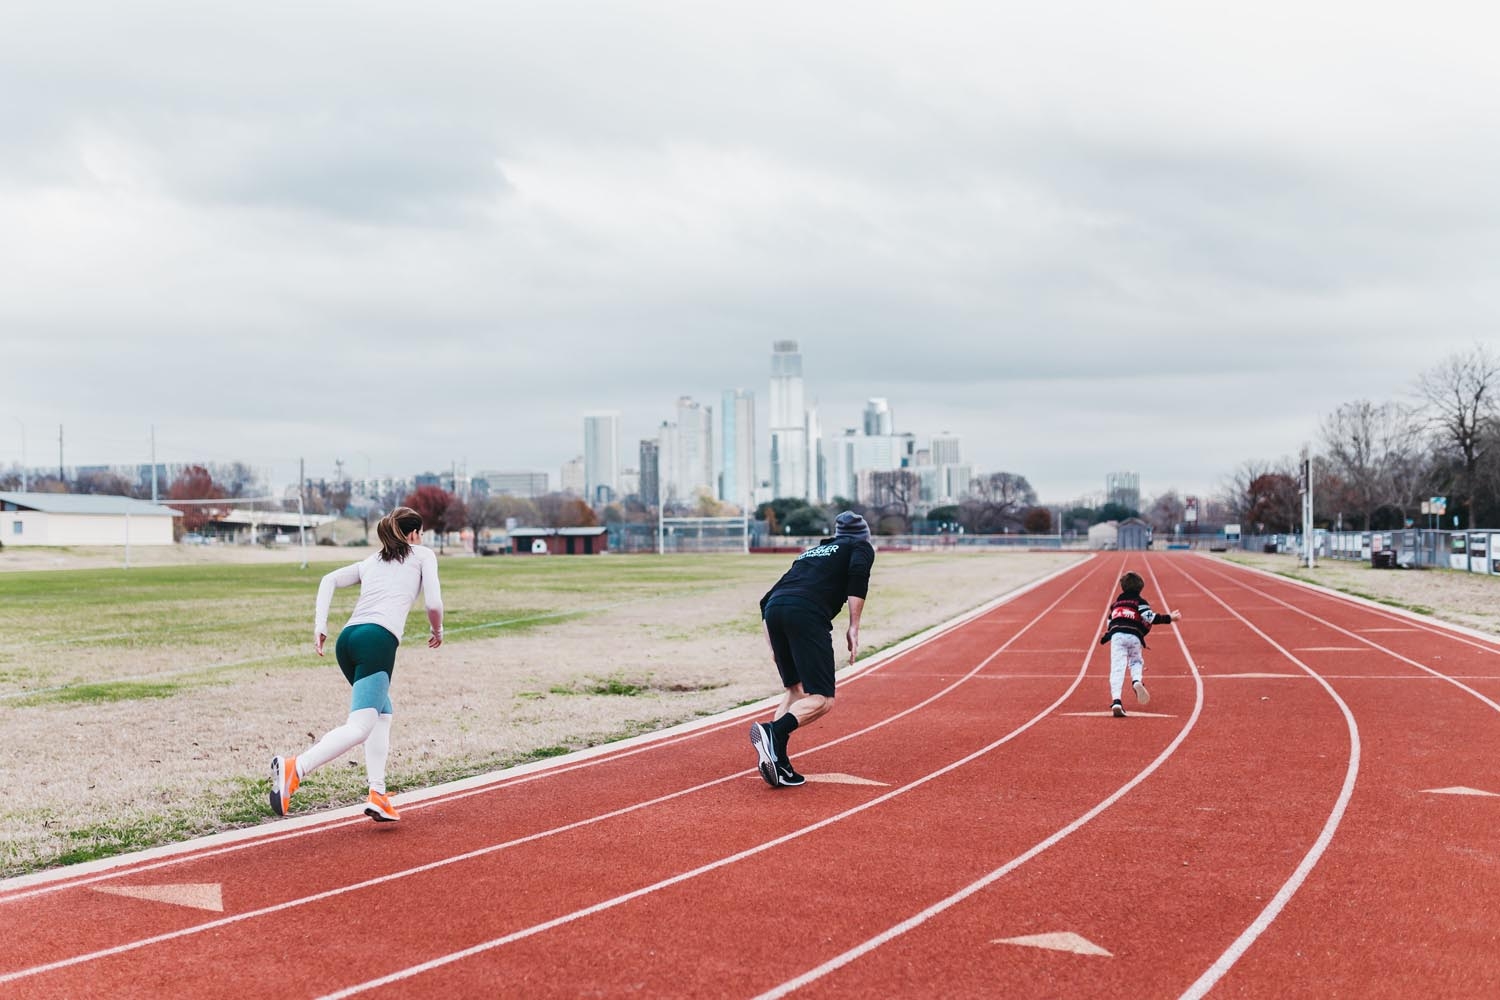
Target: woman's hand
point(435, 639)
point(318, 643)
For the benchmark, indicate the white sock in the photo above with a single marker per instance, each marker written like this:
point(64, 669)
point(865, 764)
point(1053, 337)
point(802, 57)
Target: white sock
point(339, 741)
point(377, 748)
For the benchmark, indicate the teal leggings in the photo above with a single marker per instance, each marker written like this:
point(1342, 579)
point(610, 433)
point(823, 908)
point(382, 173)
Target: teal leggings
point(367, 656)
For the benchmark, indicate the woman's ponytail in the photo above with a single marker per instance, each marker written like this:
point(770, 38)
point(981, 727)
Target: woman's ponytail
point(392, 531)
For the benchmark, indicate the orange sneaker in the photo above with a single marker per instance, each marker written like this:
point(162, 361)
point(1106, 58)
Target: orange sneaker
point(379, 808)
point(284, 782)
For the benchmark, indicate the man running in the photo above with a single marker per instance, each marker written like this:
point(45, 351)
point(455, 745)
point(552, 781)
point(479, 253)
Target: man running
point(798, 615)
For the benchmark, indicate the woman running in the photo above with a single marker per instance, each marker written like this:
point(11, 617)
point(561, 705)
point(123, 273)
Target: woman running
point(366, 650)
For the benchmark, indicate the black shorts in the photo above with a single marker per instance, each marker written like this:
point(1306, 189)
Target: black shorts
point(802, 642)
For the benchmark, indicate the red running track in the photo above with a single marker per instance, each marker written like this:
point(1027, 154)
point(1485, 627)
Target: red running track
point(1309, 806)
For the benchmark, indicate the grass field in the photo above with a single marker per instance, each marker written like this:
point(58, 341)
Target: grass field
point(113, 634)
point(140, 706)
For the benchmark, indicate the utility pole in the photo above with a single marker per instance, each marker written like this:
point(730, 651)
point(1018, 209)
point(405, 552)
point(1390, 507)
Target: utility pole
point(153, 463)
point(22, 425)
point(60, 475)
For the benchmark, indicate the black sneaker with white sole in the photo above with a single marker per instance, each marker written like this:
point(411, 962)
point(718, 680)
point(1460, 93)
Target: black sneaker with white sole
point(789, 778)
point(1118, 709)
point(764, 742)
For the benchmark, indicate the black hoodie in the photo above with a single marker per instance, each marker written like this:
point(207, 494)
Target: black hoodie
point(824, 576)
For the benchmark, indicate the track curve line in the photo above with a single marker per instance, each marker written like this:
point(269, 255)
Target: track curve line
point(17, 889)
point(608, 904)
point(1372, 643)
point(1450, 630)
point(917, 919)
point(126, 947)
point(1241, 944)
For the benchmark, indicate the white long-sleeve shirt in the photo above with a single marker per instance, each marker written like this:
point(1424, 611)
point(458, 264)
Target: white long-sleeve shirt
point(387, 590)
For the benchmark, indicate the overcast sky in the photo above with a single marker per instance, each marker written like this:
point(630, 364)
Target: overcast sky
point(1163, 237)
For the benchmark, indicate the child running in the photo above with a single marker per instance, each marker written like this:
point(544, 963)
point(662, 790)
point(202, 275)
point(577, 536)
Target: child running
point(366, 651)
point(1130, 618)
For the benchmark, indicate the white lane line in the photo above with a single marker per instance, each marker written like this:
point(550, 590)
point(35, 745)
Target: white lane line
point(1372, 644)
point(493, 848)
point(891, 933)
point(1460, 790)
point(478, 949)
point(1273, 909)
point(239, 840)
point(1449, 630)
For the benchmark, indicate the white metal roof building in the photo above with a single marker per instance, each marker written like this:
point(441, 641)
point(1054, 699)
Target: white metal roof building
point(82, 519)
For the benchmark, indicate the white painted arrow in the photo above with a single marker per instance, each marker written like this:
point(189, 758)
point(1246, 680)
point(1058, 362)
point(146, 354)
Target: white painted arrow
point(1460, 790)
point(1130, 712)
point(199, 895)
point(1057, 941)
point(835, 778)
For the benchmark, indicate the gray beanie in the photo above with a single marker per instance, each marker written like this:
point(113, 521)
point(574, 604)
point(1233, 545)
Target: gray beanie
point(850, 525)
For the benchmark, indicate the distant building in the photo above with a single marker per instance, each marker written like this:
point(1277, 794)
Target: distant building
point(1123, 488)
point(946, 449)
point(737, 478)
point(53, 519)
point(572, 480)
point(517, 484)
point(1133, 533)
point(559, 541)
point(788, 422)
point(650, 473)
point(852, 454)
point(601, 455)
point(878, 419)
point(693, 455)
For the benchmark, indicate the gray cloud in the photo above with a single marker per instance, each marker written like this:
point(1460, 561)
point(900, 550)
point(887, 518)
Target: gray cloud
point(443, 235)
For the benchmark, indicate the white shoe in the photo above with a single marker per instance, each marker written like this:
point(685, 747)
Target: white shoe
point(1141, 694)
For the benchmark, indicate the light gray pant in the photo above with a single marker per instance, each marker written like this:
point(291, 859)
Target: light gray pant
point(1124, 651)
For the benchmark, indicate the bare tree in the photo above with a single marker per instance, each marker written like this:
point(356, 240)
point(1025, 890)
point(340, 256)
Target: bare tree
point(1373, 457)
point(1460, 396)
point(995, 502)
point(1255, 495)
point(1166, 512)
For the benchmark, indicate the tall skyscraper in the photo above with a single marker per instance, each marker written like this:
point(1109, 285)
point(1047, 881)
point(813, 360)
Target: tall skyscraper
point(694, 466)
point(878, 419)
point(817, 469)
point(737, 447)
point(788, 422)
point(601, 455)
point(650, 473)
point(666, 463)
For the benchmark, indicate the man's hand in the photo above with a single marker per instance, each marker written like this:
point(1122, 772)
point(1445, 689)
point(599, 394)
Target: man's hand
point(852, 638)
point(435, 639)
point(1176, 616)
point(318, 643)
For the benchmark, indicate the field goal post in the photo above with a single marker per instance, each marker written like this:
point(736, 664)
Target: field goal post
point(703, 534)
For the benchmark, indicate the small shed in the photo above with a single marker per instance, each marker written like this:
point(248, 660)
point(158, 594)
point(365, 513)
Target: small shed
point(56, 519)
point(1133, 533)
point(559, 541)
